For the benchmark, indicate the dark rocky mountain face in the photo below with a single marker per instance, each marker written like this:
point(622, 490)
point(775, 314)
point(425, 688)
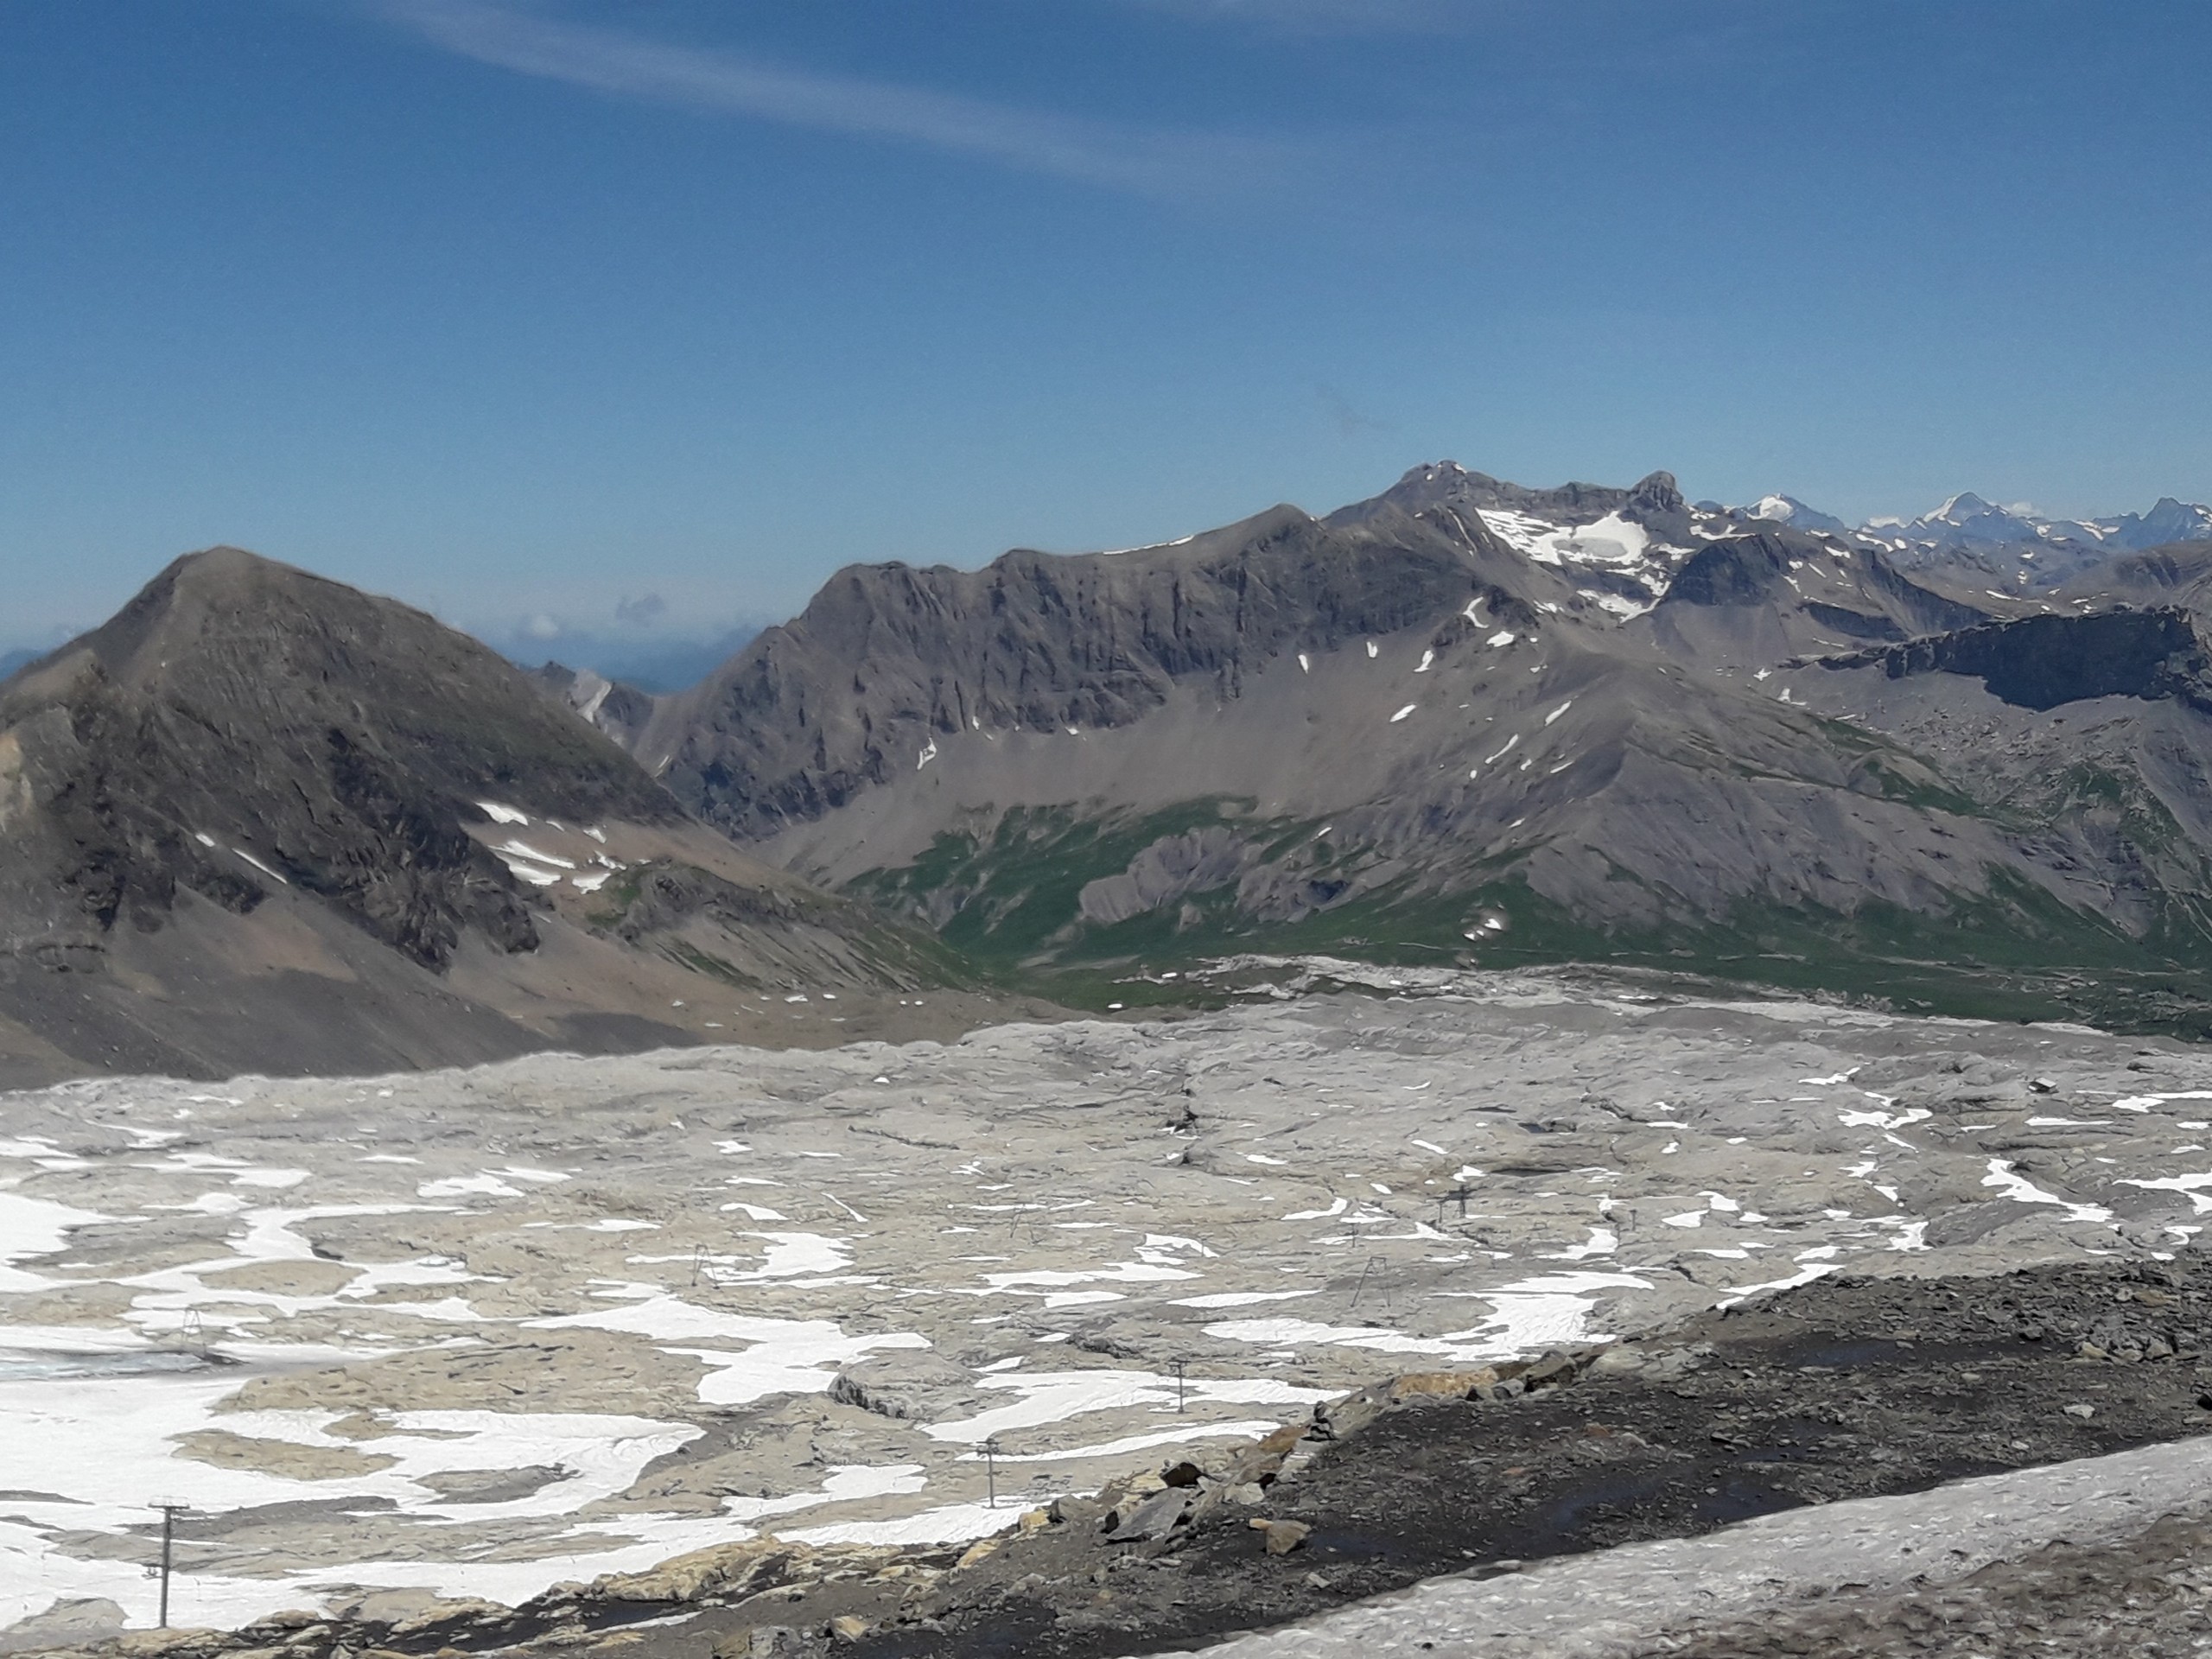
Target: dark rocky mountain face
point(1438, 726)
point(239, 725)
point(2044, 662)
point(888, 660)
point(260, 819)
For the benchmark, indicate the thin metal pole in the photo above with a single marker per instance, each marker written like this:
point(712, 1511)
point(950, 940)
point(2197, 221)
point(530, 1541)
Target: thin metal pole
point(168, 1541)
point(991, 1472)
point(1179, 1384)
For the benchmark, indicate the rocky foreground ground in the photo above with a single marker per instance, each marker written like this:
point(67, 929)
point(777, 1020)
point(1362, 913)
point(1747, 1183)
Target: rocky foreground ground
point(1848, 1389)
point(469, 1337)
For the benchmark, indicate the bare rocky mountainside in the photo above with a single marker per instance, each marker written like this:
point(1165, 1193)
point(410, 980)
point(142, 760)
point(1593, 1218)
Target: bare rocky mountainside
point(260, 821)
point(1467, 722)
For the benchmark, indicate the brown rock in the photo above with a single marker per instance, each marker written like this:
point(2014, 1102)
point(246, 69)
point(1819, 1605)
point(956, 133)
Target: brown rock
point(686, 1578)
point(979, 1550)
point(1451, 1385)
point(227, 1451)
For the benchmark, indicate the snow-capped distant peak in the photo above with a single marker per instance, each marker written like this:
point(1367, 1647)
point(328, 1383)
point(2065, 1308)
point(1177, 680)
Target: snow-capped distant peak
point(1959, 508)
point(1970, 534)
point(1967, 518)
point(1789, 510)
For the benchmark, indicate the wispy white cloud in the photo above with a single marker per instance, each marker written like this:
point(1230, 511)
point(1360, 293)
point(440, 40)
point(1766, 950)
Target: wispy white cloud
point(1150, 160)
point(1322, 17)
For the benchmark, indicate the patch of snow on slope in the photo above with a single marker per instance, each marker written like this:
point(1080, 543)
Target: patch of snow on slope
point(536, 874)
point(264, 868)
point(32, 1227)
point(524, 849)
point(2020, 1190)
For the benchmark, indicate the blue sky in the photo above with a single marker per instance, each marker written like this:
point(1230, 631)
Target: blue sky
point(526, 308)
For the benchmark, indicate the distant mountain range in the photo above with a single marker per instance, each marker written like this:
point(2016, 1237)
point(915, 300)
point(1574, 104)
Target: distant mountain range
point(1970, 539)
point(262, 820)
point(1468, 721)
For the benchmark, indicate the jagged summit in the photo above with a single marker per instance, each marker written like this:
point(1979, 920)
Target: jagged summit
point(1789, 510)
point(1447, 483)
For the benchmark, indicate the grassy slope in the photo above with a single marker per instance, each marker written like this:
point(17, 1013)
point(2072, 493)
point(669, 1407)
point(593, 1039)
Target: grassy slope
point(2015, 954)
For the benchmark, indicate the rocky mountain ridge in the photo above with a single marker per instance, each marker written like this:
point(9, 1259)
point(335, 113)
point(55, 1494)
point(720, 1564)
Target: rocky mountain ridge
point(262, 821)
point(1468, 718)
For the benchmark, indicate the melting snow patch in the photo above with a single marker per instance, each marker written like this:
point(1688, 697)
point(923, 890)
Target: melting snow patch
point(1055, 1396)
point(2191, 1186)
point(499, 814)
point(1500, 638)
point(1805, 1275)
point(31, 1227)
point(1427, 658)
point(264, 868)
point(1615, 604)
point(1404, 712)
point(1241, 1298)
point(1557, 712)
point(1882, 1119)
point(2019, 1189)
point(1531, 1315)
point(928, 755)
point(524, 849)
point(1603, 1241)
point(456, 1186)
point(2145, 1103)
